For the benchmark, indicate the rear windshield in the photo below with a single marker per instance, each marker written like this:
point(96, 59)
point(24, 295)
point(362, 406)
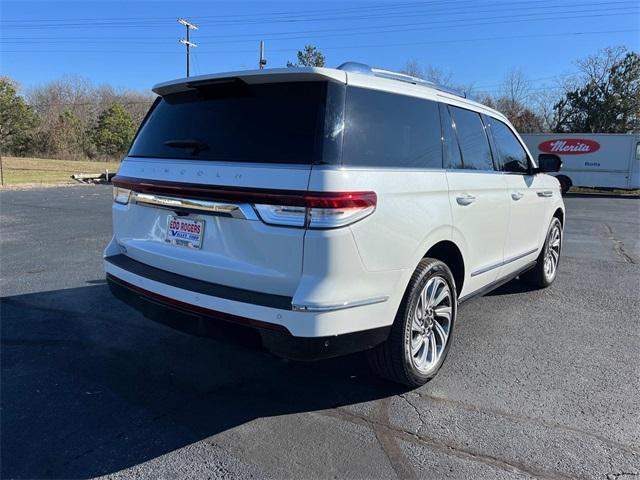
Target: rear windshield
point(238, 122)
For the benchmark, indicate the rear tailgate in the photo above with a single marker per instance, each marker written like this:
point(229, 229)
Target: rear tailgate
point(237, 250)
point(209, 152)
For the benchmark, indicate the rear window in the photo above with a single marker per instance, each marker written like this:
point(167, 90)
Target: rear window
point(238, 122)
point(390, 130)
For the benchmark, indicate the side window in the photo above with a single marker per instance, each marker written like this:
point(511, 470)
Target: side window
point(451, 149)
point(474, 144)
point(512, 155)
point(390, 130)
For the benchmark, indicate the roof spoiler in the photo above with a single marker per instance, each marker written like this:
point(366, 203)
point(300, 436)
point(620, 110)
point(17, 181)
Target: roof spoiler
point(300, 74)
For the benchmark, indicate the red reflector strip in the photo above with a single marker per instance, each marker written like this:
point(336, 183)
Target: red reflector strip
point(249, 195)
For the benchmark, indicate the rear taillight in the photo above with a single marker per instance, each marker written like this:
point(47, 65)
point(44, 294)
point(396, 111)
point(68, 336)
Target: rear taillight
point(319, 210)
point(121, 195)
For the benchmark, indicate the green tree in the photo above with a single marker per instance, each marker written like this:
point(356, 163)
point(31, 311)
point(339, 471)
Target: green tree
point(114, 131)
point(17, 119)
point(607, 99)
point(310, 56)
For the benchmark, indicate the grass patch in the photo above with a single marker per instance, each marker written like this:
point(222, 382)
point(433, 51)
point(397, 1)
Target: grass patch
point(18, 170)
point(605, 191)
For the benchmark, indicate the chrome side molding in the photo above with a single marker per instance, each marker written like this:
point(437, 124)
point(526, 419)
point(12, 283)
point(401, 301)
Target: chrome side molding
point(546, 193)
point(504, 262)
point(242, 211)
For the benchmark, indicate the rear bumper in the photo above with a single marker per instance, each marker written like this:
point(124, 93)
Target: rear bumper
point(165, 304)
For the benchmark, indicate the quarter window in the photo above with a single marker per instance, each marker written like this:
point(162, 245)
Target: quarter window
point(512, 155)
point(390, 130)
point(474, 144)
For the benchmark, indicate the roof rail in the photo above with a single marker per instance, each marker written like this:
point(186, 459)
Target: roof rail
point(356, 67)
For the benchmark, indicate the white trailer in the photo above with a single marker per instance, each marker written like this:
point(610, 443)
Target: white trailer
point(598, 160)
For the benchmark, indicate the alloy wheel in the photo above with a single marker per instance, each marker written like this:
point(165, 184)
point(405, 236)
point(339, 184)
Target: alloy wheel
point(431, 324)
point(552, 255)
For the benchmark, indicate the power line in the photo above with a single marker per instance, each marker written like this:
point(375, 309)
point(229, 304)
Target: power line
point(420, 26)
point(350, 46)
point(304, 16)
point(531, 13)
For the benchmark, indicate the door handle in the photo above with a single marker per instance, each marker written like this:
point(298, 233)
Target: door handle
point(546, 193)
point(465, 199)
point(517, 195)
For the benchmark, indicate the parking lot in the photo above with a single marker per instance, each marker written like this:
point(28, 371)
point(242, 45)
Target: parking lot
point(537, 384)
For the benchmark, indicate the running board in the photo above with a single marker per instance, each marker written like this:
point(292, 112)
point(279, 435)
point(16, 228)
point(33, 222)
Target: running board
point(497, 283)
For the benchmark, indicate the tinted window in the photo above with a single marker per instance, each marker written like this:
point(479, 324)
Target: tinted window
point(238, 122)
point(512, 155)
point(390, 130)
point(474, 144)
point(451, 149)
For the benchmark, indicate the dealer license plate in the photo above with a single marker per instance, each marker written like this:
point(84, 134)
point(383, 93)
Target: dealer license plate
point(186, 232)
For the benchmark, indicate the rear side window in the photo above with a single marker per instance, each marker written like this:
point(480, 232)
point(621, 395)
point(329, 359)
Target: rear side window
point(512, 154)
point(389, 130)
point(474, 144)
point(238, 122)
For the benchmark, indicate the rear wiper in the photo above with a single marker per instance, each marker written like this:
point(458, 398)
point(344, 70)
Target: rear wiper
point(195, 145)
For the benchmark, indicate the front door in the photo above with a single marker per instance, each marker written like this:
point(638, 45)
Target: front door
point(529, 198)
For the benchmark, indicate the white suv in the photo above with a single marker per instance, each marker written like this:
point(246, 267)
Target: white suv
point(330, 210)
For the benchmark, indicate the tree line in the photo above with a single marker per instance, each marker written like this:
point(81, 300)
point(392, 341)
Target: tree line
point(74, 118)
point(70, 118)
point(602, 96)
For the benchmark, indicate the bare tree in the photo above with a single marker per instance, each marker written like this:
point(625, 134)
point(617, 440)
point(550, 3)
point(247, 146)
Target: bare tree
point(430, 73)
point(516, 87)
point(69, 108)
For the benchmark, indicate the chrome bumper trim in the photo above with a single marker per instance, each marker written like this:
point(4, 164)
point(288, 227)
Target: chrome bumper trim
point(338, 306)
point(243, 211)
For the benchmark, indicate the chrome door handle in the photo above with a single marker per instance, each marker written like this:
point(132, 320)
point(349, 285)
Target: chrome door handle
point(465, 199)
point(517, 195)
point(546, 193)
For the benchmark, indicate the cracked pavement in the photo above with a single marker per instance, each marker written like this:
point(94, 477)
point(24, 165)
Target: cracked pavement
point(540, 384)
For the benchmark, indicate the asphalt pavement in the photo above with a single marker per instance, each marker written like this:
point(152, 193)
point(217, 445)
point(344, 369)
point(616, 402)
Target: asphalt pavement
point(540, 384)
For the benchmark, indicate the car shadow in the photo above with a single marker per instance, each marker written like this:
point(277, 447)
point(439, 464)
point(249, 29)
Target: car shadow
point(512, 287)
point(90, 387)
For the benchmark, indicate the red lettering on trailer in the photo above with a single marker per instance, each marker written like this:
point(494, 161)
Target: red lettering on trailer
point(569, 146)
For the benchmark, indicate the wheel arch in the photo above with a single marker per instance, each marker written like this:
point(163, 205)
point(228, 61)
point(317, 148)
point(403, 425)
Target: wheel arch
point(448, 252)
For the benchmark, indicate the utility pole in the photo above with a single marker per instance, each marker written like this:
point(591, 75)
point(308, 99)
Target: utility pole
point(186, 42)
point(263, 61)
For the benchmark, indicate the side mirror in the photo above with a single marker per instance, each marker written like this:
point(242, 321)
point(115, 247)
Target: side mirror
point(548, 162)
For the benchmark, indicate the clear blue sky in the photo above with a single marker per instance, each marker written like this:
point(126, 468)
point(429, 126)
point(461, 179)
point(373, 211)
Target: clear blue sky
point(134, 44)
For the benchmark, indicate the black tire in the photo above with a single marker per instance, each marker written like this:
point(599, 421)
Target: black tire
point(565, 183)
point(539, 276)
point(393, 359)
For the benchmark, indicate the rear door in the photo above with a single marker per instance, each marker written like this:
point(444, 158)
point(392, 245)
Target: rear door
point(206, 161)
point(476, 195)
point(530, 198)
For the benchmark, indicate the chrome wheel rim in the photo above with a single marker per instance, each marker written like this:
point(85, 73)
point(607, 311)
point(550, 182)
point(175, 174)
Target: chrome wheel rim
point(552, 255)
point(431, 324)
